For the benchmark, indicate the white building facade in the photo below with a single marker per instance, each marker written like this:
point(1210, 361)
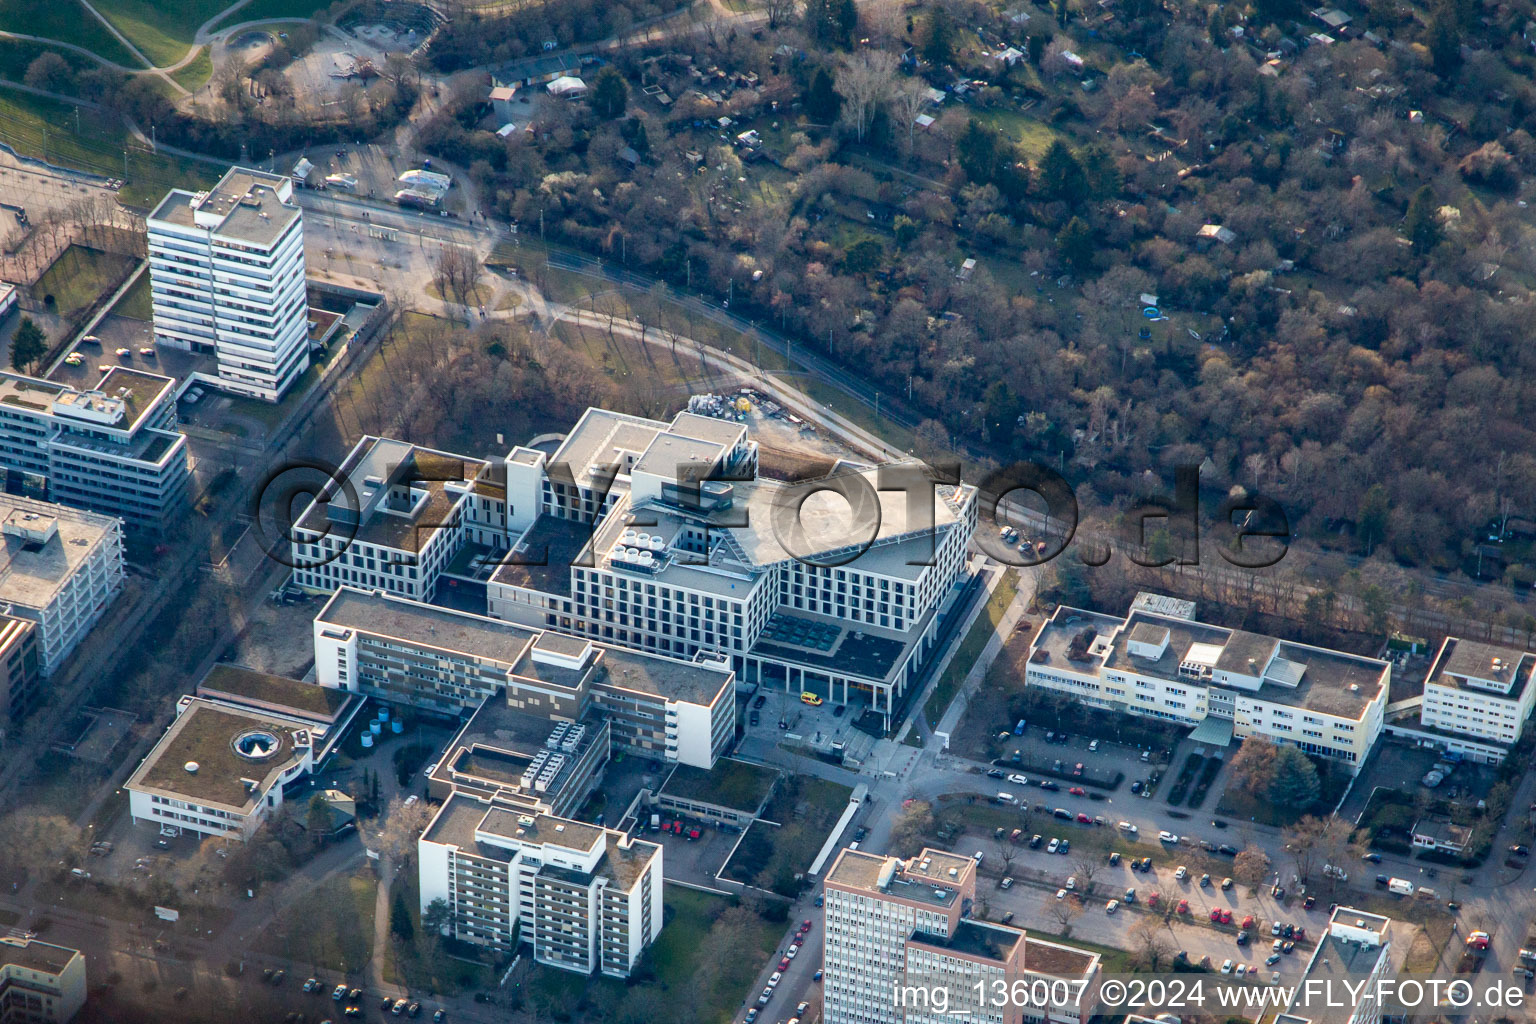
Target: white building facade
point(60, 568)
point(227, 277)
point(1172, 667)
point(112, 449)
point(1480, 690)
point(583, 898)
point(898, 931)
point(684, 548)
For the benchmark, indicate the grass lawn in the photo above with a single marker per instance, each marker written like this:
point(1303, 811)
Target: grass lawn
point(78, 277)
point(261, 10)
point(331, 928)
point(971, 647)
point(162, 29)
point(195, 74)
point(67, 21)
point(1031, 135)
point(43, 128)
point(770, 856)
point(706, 955)
point(135, 302)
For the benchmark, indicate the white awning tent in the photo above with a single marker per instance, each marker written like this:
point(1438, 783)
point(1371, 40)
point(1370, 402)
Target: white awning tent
point(567, 87)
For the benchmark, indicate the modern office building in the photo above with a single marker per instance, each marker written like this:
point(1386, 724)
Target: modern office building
point(113, 449)
point(59, 568)
point(40, 983)
point(453, 662)
point(897, 931)
point(393, 518)
point(227, 277)
point(235, 750)
point(661, 536)
point(1159, 661)
point(582, 897)
point(1355, 949)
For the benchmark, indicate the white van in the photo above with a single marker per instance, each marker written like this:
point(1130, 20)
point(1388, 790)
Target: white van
point(1007, 798)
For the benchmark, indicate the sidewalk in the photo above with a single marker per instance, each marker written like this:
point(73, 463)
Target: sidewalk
point(989, 653)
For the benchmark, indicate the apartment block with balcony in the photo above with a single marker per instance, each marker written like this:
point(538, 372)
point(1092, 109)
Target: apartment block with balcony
point(583, 898)
point(662, 536)
point(454, 662)
point(113, 449)
point(1159, 661)
point(227, 278)
point(40, 982)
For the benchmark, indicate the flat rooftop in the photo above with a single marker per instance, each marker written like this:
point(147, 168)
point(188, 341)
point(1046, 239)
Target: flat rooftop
point(33, 574)
point(245, 201)
point(543, 556)
point(1459, 659)
point(401, 493)
point(1359, 919)
point(708, 428)
point(659, 676)
point(858, 870)
point(1331, 682)
point(34, 955)
point(455, 824)
point(499, 742)
point(976, 941)
point(246, 685)
point(206, 734)
point(139, 390)
point(1057, 959)
point(427, 625)
point(738, 785)
point(822, 641)
point(602, 437)
point(573, 835)
point(672, 456)
point(834, 520)
point(625, 865)
point(1341, 958)
point(937, 865)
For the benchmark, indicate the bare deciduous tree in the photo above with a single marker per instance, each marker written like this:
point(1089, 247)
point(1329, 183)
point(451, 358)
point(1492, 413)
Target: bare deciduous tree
point(908, 99)
point(1063, 911)
point(864, 80)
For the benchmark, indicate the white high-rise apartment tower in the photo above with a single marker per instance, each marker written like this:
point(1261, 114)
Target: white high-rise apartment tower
point(227, 277)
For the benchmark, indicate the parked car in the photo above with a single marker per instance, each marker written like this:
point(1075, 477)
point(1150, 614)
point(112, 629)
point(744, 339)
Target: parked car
point(1018, 780)
point(1111, 906)
point(1167, 837)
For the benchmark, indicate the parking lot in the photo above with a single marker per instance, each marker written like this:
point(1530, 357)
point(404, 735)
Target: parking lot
point(1101, 759)
point(694, 861)
point(1038, 875)
point(1395, 765)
